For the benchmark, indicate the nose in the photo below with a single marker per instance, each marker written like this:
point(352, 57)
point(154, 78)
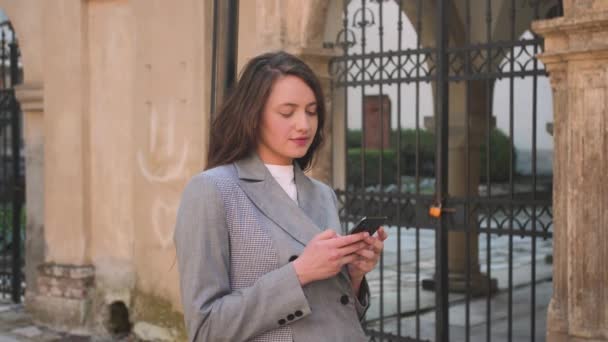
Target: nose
point(303, 122)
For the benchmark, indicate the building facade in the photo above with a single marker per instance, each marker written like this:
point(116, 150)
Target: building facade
point(115, 100)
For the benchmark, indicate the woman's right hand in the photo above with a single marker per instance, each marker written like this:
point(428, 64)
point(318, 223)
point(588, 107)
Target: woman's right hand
point(326, 253)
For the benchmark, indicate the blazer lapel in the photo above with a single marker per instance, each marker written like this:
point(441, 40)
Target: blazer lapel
point(268, 196)
point(310, 201)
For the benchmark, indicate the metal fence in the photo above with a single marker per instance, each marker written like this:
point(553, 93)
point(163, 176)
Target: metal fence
point(12, 170)
point(441, 108)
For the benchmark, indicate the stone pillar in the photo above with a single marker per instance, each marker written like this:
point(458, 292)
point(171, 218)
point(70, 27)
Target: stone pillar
point(457, 182)
point(576, 57)
point(66, 171)
point(30, 98)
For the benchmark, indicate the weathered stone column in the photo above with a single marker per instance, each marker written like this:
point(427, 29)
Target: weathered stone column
point(576, 57)
point(31, 101)
point(458, 177)
point(458, 173)
point(66, 276)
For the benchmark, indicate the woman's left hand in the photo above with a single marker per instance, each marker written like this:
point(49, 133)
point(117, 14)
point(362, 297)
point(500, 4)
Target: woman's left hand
point(368, 257)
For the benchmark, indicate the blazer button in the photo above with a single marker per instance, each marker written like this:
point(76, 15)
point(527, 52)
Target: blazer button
point(292, 258)
point(344, 299)
point(298, 313)
point(282, 321)
point(290, 317)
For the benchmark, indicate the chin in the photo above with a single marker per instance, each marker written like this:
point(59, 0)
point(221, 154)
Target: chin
point(298, 154)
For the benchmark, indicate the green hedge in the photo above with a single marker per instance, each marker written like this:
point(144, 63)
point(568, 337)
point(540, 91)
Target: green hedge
point(499, 157)
point(499, 163)
point(372, 165)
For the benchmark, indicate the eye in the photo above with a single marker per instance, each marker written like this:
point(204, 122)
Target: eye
point(286, 114)
point(311, 109)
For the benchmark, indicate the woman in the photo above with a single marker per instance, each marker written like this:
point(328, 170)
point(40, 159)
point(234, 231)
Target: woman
point(258, 255)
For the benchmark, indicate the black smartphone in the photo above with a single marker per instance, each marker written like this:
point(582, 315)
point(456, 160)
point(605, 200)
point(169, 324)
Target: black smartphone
point(369, 224)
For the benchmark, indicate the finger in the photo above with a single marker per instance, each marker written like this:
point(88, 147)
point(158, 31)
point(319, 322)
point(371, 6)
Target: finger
point(342, 241)
point(325, 235)
point(352, 248)
point(373, 242)
point(378, 246)
point(366, 254)
point(348, 259)
point(382, 234)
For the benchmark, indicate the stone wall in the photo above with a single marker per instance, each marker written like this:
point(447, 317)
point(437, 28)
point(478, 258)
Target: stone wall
point(116, 110)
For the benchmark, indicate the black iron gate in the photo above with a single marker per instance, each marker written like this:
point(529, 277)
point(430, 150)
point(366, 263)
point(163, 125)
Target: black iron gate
point(12, 167)
point(447, 135)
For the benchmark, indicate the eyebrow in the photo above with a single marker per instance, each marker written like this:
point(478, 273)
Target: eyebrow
point(295, 105)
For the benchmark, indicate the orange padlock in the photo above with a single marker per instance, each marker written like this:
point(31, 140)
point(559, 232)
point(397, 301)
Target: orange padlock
point(435, 211)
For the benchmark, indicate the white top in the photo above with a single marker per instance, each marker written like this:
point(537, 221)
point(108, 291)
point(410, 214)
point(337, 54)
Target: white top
point(284, 175)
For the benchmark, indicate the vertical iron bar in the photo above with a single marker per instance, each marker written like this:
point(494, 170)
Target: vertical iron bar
point(345, 53)
point(332, 110)
point(399, 184)
point(7, 268)
point(363, 42)
point(381, 70)
point(16, 205)
point(232, 35)
point(488, 171)
point(511, 175)
point(3, 57)
point(441, 133)
point(380, 34)
point(14, 54)
point(417, 148)
point(417, 163)
point(16, 190)
point(4, 207)
point(467, 221)
point(225, 47)
point(534, 179)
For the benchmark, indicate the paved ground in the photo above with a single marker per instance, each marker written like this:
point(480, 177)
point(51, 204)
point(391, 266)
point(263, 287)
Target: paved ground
point(522, 288)
point(16, 325)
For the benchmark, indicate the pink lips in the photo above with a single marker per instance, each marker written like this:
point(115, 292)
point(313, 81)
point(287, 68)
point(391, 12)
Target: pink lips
point(300, 141)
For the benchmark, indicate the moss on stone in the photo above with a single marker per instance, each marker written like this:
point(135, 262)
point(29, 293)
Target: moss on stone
point(159, 311)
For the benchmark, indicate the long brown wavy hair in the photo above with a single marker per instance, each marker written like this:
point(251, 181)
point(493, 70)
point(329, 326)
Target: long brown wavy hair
point(235, 129)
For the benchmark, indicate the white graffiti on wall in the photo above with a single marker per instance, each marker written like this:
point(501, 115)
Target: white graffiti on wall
point(163, 214)
point(172, 173)
point(163, 163)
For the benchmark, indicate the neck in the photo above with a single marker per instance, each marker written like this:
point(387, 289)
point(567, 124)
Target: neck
point(273, 160)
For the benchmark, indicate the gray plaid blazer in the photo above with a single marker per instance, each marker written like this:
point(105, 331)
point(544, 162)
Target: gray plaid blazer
point(236, 233)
